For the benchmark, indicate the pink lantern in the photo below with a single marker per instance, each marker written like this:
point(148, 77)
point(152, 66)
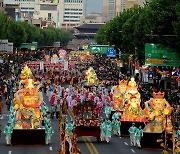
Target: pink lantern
point(47, 57)
point(62, 53)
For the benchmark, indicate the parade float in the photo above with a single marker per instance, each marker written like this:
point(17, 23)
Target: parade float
point(158, 116)
point(118, 93)
point(87, 119)
point(28, 111)
point(90, 78)
point(132, 111)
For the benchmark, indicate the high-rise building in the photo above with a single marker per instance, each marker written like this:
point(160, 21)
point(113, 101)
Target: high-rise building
point(70, 12)
point(112, 8)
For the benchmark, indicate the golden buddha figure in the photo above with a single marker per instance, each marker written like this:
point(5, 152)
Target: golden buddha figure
point(118, 94)
point(132, 108)
point(156, 111)
point(27, 100)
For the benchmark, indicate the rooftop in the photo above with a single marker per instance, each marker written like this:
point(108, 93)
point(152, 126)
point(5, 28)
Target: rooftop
point(90, 26)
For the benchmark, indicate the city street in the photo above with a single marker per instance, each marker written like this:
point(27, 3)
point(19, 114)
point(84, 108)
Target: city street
point(86, 144)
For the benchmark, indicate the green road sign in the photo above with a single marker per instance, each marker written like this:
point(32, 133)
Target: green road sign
point(155, 55)
point(29, 46)
point(100, 49)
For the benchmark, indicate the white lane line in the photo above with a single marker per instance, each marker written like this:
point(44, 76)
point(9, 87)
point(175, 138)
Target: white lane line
point(126, 143)
point(9, 152)
point(50, 148)
point(120, 137)
point(133, 151)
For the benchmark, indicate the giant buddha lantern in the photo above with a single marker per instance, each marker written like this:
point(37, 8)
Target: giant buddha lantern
point(158, 113)
point(132, 108)
point(27, 102)
point(118, 94)
point(91, 78)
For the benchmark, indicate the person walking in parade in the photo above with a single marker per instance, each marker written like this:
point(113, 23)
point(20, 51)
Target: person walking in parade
point(1, 107)
point(58, 108)
point(108, 110)
point(108, 129)
point(116, 123)
point(49, 131)
point(70, 127)
point(116, 115)
point(132, 131)
point(8, 131)
point(138, 135)
point(102, 130)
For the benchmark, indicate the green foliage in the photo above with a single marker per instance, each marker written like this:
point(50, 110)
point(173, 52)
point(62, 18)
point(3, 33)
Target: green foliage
point(22, 32)
point(133, 28)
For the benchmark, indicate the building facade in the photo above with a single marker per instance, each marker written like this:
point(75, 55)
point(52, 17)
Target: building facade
point(91, 18)
point(112, 8)
point(1, 6)
point(42, 10)
point(70, 13)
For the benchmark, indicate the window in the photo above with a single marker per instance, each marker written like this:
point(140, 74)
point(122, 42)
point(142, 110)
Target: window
point(49, 16)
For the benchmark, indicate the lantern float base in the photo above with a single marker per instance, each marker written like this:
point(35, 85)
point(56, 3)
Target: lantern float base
point(125, 125)
point(149, 140)
point(88, 131)
point(28, 136)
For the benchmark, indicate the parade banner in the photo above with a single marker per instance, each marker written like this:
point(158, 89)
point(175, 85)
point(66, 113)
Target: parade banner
point(41, 65)
point(66, 65)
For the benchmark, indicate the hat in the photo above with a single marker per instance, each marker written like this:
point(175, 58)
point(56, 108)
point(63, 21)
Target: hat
point(133, 123)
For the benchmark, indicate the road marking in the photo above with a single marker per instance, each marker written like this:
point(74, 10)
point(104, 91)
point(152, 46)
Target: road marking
point(92, 149)
point(120, 137)
point(133, 151)
point(50, 148)
point(88, 146)
point(92, 145)
point(9, 152)
point(126, 143)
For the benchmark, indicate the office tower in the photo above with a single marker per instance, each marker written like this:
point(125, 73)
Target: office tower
point(70, 12)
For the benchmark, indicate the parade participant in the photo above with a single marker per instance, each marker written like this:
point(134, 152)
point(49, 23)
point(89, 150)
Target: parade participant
point(52, 111)
point(116, 115)
point(47, 121)
point(1, 107)
point(132, 131)
point(70, 127)
point(58, 108)
point(102, 130)
point(116, 124)
point(8, 131)
point(49, 132)
point(138, 135)
point(53, 98)
point(108, 129)
point(108, 110)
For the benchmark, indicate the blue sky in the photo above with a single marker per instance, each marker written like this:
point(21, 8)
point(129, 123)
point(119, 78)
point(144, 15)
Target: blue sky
point(94, 6)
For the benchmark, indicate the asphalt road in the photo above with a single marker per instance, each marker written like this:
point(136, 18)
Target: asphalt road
point(87, 145)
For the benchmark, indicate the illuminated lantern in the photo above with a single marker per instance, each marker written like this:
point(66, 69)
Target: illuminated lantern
point(157, 110)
